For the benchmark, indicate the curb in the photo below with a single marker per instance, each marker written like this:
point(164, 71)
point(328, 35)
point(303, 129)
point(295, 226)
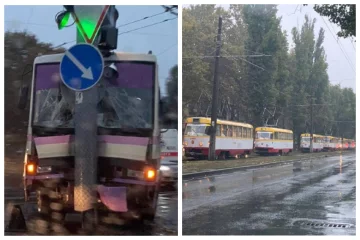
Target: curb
point(190, 176)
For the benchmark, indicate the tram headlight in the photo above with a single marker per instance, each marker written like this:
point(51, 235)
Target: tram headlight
point(200, 144)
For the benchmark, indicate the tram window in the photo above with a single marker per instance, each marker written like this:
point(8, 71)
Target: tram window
point(230, 131)
point(218, 127)
point(236, 131)
point(224, 131)
point(248, 133)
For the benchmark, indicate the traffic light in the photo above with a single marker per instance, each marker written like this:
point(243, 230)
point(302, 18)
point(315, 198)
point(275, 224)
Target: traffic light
point(108, 31)
point(96, 24)
point(62, 17)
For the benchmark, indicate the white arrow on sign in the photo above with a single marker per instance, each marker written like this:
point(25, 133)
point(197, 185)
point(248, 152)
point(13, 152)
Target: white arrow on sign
point(87, 73)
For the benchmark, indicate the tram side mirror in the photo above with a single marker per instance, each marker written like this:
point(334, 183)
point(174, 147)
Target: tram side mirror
point(23, 98)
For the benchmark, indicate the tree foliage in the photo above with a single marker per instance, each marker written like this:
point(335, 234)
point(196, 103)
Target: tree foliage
point(21, 48)
point(170, 102)
point(344, 15)
point(262, 80)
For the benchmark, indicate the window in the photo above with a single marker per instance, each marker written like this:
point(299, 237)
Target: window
point(230, 131)
point(196, 130)
point(224, 131)
point(236, 131)
point(218, 128)
point(263, 135)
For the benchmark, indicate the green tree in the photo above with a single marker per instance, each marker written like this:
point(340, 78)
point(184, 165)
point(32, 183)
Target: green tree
point(267, 76)
point(21, 48)
point(304, 51)
point(344, 15)
point(260, 77)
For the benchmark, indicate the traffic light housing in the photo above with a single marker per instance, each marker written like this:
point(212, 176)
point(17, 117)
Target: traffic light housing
point(62, 17)
point(108, 38)
point(103, 36)
point(108, 33)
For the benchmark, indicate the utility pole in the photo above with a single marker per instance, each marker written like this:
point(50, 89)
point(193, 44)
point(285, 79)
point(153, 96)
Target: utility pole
point(101, 20)
point(214, 107)
point(311, 123)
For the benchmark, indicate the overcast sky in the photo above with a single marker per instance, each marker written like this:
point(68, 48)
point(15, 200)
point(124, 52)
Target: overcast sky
point(339, 69)
point(162, 38)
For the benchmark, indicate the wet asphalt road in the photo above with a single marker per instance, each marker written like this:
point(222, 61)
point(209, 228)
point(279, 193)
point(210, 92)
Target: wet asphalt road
point(309, 198)
point(165, 222)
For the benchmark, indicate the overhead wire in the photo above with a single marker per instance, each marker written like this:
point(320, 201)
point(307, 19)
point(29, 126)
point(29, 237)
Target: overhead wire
point(141, 19)
point(146, 26)
point(167, 49)
point(340, 46)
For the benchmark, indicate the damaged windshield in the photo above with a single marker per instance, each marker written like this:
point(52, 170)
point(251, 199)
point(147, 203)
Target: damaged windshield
point(125, 100)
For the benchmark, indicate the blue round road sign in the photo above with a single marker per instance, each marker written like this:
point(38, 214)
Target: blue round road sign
point(82, 67)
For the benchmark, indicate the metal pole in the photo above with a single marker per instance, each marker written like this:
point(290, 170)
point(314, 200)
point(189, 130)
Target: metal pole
point(86, 148)
point(85, 119)
point(215, 95)
point(311, 123)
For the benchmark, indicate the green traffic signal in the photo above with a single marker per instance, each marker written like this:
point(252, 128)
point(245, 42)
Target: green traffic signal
point(62, 19)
